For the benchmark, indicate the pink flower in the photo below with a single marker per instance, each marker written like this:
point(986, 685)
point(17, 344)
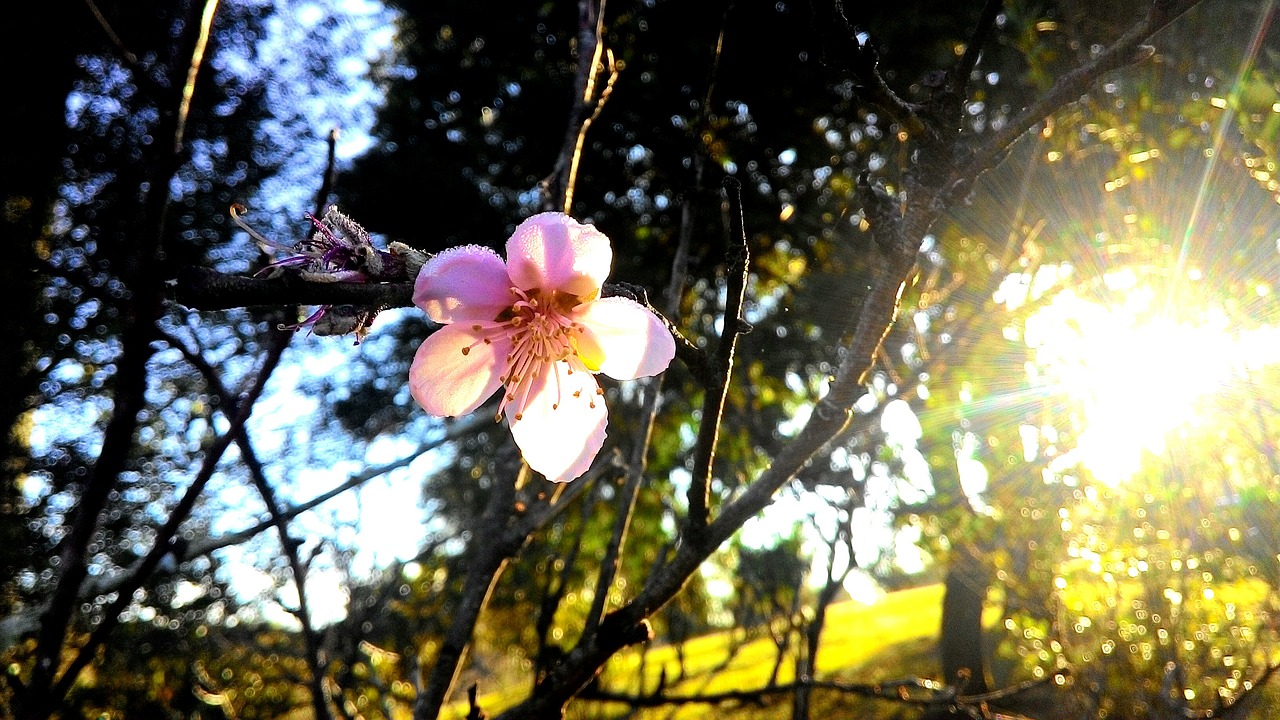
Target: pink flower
point(537, 325)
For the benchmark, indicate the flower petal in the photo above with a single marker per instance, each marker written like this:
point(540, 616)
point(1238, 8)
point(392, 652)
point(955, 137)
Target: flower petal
point(447, 381)
point(463, 284)
point(552, 251)
point(561, 428)
point(634, 340)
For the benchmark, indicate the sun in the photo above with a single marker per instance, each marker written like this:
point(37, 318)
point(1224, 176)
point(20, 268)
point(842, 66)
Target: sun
point(1131, 372)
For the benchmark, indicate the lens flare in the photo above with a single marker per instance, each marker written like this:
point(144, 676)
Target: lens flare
point(1133, 376)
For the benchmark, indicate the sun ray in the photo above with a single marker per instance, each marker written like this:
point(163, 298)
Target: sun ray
point(1265, 17)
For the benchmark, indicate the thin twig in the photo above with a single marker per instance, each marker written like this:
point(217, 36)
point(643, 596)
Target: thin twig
point(1071, 86)
point(909, 691)
point(164, 536)
point(732, 325)
point(111, 34)
point(193, 71)
point(958, 83)
point(587, 104)
point(310, 638)
point(626, 504)
point(843, 50)
point(229, 404)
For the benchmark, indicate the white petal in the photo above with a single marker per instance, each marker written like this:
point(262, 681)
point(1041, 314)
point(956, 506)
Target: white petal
point(634, 340)
point(552, 251)
point(447, 381)
point(562, 426)
point(463, 284)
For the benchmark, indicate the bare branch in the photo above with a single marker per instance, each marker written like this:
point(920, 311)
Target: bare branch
point(589, 100)
point(129, 398)
point(489, 554)
point(166, 534)
point(716, 393)
point(909, 691)
point(1129, 49)
point(895, 243)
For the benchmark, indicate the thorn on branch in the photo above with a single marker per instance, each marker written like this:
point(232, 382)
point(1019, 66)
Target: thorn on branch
point(880, 209)
point(475, 713)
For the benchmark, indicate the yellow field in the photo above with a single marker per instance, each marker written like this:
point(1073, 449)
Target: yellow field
point(897, 632)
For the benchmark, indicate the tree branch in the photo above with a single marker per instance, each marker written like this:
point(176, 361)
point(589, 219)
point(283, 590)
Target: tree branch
point(129, 398)
point(716, 393)
point(1129, 49)
point(895, 243)
point(489, 555)
point(165, 535)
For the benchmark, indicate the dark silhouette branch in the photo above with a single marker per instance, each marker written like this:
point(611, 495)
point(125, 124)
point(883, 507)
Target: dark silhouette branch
point(958, 83)
point(488, 558)
point(910, 691)
point(553, 594)
point(24, 622)
point(737, 259)
point(288, 545)
point(166, 534)
point(1129, 49)
point(847, 50)
point(129, 398)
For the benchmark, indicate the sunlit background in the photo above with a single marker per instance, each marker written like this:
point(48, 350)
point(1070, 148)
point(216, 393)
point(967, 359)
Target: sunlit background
point(1082, 389)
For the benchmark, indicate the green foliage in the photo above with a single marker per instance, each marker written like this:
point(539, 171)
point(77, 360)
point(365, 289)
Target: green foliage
point(476, 109)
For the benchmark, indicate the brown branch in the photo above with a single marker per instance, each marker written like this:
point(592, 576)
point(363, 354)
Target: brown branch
point(587, 104)
point(895, 241)
point(716, 394)
point(128, 56)
point(1227, 709)
point(205, 289)
point(310, 638)
point(193, 71)
point(1129, 49)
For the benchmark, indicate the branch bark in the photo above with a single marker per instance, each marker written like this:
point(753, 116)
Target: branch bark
point(928, 190)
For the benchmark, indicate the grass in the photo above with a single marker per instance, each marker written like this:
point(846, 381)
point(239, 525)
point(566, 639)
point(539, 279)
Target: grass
point(891, 639)
point(863, 643)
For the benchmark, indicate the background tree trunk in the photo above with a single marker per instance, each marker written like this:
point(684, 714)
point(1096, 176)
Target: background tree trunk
point(964, 659)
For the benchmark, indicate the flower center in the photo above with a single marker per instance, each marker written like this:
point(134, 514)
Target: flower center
point(542, 334)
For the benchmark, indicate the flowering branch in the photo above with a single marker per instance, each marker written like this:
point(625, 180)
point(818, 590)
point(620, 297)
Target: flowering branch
point(896, 239)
